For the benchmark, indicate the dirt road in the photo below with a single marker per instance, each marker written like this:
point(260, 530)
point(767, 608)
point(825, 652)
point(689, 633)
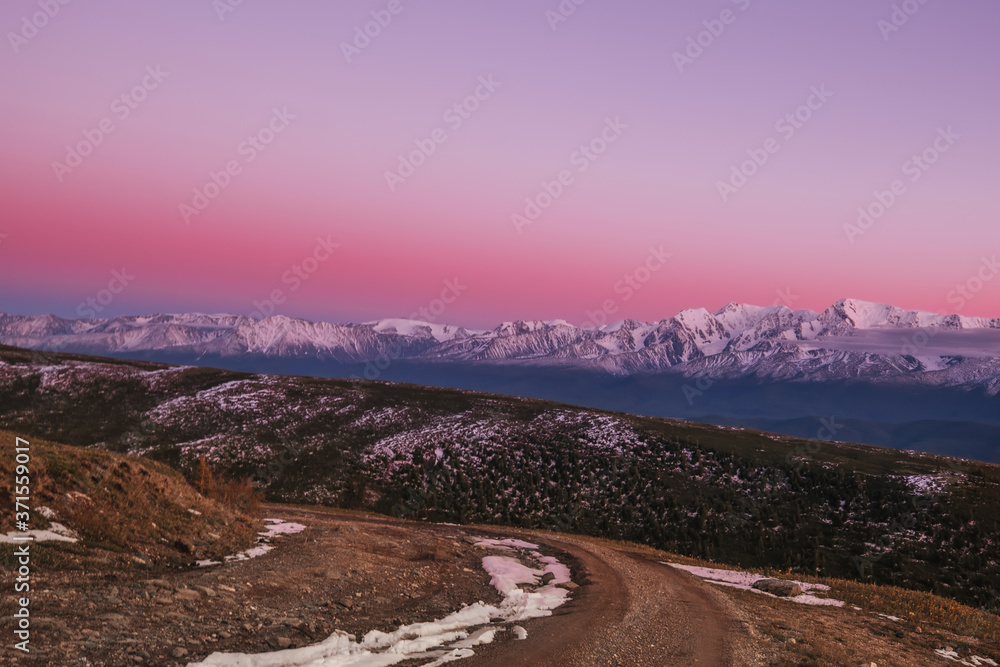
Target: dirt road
point(359, 574)
point(630, 611)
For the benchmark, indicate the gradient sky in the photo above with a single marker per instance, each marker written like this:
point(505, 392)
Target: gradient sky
point(656, 185)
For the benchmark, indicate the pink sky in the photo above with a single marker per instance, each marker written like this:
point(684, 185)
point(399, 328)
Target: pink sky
point(655, 185)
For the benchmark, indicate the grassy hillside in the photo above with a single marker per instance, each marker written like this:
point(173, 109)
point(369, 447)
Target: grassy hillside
point(127, 511)
point(869, 514)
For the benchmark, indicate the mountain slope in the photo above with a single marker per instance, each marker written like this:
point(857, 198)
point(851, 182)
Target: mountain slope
point(733, 495)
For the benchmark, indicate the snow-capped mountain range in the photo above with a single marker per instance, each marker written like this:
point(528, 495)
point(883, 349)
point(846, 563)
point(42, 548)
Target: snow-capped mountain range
point(850, 339)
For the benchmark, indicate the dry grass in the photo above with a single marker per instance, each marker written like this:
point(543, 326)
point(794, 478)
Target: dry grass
point(915, 607)
point(239, 495)
point(128, 511)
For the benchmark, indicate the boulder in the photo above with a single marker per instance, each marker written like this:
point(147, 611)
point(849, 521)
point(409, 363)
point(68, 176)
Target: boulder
point(779, 587)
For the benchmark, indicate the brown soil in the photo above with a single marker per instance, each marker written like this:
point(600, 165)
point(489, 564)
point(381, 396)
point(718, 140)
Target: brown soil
point(340, 573)
point(361, 573)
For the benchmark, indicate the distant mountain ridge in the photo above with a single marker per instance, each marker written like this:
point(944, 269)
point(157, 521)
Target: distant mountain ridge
point(850, 339)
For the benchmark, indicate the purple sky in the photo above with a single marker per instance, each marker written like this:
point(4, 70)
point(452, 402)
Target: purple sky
point(781, 235)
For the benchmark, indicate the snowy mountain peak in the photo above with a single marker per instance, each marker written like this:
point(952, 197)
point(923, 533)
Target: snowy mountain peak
point(851, 338)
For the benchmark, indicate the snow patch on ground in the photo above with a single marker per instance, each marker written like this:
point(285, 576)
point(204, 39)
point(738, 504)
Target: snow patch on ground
point(56, 533)
point(439, 642)
point(518, 544)
point(744, 581)
point(926, 484)
point(276, 527)
point(974, 660)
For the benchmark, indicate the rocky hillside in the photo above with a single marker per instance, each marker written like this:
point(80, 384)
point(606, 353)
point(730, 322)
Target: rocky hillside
point(731, 495)
point(98, 509)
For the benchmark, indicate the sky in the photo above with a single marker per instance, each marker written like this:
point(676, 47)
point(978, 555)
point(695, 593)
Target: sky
point(530, 159)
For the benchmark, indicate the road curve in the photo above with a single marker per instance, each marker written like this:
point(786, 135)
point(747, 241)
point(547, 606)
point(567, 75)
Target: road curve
point(630, 611)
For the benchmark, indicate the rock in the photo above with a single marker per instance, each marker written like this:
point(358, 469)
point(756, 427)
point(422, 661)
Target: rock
point(160, 583)
point(187, 595)
point(164, 598)
point(185, 545)
point(547, 577)
point(206, 591)
point(116, 620)
point(779, 587)
point(228, 589)
point(569, 585)
point(284, 642)
point(333, 574)
point(346, 602)
point(179, 652)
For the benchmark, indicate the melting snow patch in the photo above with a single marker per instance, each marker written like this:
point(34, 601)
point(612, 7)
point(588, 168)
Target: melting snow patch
point(446, 640)
point(744, 581)
point(506, 543)
point(56, 533)
point(974, 660)
point(276, 527)
point(926, 483)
